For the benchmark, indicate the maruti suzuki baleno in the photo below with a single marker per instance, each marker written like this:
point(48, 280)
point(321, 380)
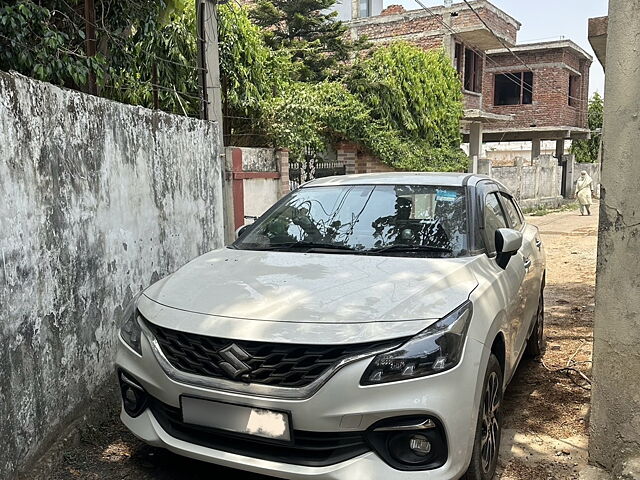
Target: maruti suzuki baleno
point(363, 328)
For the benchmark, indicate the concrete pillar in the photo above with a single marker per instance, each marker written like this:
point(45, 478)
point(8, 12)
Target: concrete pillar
point(448, 41)
point(568, 176)
point(227, 197)
point(475, 145)
point(282, 159)
point(535, 148)
point(346, 154)
point(484, 167)
point(559, 149)
point(615, 412)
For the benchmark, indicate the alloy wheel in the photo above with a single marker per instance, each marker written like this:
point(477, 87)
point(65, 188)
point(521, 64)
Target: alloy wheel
point(490, 425)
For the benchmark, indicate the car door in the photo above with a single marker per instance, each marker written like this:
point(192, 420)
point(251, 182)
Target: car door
point(530, 284)
point(509, 282)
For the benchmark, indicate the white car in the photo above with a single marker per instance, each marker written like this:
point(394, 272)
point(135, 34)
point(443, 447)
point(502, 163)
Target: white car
point(364, 328)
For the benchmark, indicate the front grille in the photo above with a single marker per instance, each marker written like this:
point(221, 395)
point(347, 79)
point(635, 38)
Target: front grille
point(274, 364)
point(313, 449)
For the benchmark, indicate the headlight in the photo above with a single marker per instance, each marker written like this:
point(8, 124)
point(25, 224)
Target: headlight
point(437, 349)
point(130, 331)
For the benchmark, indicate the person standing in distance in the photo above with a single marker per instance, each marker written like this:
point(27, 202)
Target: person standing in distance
point(583, 192)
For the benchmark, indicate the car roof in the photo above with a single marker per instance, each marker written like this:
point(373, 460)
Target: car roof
point(400, 178)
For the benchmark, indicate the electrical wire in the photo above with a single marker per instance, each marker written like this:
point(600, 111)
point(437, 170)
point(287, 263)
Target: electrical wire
point(505, 45)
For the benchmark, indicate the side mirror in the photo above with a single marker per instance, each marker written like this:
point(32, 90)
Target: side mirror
point(508, 242)
point(241, 230)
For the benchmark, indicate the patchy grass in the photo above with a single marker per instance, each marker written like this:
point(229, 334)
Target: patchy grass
point(543, 210)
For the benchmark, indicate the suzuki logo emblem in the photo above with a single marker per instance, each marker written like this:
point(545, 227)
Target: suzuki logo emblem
point(233, 358)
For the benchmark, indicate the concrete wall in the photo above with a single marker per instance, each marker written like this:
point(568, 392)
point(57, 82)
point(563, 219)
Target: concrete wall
point(260, 193)
point(534, 185)
point(99, 200)
point(615, 413)
point(259, 177)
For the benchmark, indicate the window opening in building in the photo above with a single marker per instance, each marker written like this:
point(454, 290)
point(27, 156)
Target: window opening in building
point(574, 90)
point(472, 71)
point(514, 88)
point(458, 61)
point(365, 8)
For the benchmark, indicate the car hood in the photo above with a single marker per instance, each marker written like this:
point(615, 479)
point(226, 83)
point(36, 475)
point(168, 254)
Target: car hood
point(316, 288)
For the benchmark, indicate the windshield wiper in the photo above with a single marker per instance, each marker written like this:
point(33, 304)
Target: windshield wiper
point(409, 248)
point(309, 246)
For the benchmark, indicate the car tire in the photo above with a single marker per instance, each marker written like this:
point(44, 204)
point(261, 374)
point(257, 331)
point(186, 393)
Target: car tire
point(486, 445)
point(537, 340)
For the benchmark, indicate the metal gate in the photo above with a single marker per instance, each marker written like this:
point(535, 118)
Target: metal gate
point(312, 166)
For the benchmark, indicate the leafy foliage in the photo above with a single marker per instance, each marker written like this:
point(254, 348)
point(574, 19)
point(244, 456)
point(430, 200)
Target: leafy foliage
point(413, 91)
point(252, 74)
point(45, 44)
point(310, 31)
point(158, 54)
point(402, 104)
point(136, 42)
point(251, 71)
point(587, 151)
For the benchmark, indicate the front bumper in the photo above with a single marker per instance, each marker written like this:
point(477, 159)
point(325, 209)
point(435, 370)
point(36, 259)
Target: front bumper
point(341, 405)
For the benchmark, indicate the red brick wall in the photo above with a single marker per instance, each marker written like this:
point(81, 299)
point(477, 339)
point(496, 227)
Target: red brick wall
point(472, 101)
point(366, 163)
point(419, 27)
point(550, 106)
point(357, 161)
point(390, 28)
point(466, 19)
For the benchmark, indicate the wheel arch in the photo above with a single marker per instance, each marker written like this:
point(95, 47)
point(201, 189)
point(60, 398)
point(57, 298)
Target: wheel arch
point(499, 349)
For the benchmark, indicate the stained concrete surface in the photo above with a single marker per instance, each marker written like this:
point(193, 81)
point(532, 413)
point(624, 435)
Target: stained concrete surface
point(97, 200)
point(616, 391)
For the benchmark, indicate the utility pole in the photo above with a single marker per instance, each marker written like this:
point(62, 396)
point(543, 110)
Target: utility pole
point(90, 41)
point(209, 62)
point(211, 104)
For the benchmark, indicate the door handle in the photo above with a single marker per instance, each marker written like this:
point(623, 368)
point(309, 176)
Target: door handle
point(538, 242)
point(527, 264)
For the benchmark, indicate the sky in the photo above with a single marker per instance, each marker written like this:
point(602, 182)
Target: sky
point(546, 20)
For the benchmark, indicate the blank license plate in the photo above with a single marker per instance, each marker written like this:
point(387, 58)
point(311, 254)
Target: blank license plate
point(236, 418)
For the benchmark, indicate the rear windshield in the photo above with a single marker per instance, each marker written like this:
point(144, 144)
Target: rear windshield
point(382, 219)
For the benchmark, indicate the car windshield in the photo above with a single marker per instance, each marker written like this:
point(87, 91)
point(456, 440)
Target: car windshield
point(409, 220)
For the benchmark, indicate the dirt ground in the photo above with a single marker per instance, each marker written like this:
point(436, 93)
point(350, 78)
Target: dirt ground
point(546, 411)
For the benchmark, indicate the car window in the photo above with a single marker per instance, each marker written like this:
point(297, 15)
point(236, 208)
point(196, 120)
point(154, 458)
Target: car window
point(512, 211)
point(431, 220)
point(493, 220)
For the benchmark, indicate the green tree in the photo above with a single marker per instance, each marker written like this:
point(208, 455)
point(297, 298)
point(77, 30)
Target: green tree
point(139, 44)
point(156, 55)
point(407, 113)
point(251, 75)
point(318, 42)
point(46, 43)
point(415, 92)
point(587, 151)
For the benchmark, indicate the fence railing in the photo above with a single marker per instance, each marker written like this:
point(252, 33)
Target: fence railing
point(301, 172)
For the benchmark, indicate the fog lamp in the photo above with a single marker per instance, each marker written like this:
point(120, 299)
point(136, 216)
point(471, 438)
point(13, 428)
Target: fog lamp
point(420, 445)
point(134, 398)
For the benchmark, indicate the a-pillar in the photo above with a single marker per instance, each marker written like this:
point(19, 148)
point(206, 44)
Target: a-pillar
point(615, 409)
point(475, 145)
point(535, 148)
